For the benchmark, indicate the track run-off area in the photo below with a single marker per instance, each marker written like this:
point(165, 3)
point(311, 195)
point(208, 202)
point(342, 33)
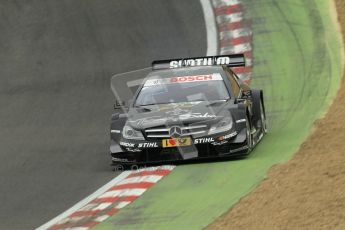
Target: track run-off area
point(55, 88)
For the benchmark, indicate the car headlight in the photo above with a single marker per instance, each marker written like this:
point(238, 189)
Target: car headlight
point(222, 126)
point(130, 133)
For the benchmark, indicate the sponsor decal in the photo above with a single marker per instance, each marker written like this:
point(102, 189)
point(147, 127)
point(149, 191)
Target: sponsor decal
point(127, 144)
point(208, 77)
point(182, 105)
point(196, 115)
point(176, 142)
point(140, 145)
point(222, 138)
point(219, 143)
point(142, 122)
point(230, 135)
point(201, 62)
point(176, 112)
point(153, 82)
point(183, 79)
point(133, 150)
point(119, 159)
point(158, 120)
point(148, 145)
point(203, 140)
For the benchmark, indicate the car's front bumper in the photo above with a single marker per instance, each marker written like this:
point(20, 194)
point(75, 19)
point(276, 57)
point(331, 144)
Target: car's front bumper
point(138, 152)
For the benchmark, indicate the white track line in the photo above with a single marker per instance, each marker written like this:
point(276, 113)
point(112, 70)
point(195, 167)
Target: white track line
point(85, 201)
point(211, 29)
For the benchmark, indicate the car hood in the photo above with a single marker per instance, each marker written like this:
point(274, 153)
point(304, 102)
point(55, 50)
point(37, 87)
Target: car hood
point(175, 114)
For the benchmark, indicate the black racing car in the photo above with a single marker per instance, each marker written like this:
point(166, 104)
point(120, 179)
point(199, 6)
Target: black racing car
point(189, 109)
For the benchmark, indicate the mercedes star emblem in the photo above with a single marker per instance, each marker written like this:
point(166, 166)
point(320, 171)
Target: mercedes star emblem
point(175, 132)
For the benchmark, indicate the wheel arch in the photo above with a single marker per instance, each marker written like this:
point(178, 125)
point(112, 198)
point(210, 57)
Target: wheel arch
point(257, 97)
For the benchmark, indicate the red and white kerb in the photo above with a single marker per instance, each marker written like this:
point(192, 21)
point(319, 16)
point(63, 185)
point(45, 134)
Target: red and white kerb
point(111, 201)
point(235, 33)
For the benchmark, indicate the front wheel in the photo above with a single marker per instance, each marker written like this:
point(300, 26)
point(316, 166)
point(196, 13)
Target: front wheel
point(263, 119)
point(249, 135)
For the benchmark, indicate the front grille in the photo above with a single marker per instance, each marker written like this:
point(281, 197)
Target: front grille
point(223, 149)
point(166, 154)
point(163, 132)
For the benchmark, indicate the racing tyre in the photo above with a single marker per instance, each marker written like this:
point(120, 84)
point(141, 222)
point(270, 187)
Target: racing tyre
point(263, 119)
point(249, 136)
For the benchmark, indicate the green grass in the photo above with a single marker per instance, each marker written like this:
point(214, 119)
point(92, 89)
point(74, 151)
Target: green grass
point(297, 63)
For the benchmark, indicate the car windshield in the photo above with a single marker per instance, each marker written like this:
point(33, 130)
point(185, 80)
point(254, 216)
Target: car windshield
point(182, 88)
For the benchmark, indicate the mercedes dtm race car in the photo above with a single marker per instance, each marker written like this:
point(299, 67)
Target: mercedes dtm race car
point(189, 109)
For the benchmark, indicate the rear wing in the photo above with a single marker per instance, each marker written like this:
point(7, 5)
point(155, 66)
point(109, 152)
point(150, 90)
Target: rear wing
point(234, 60)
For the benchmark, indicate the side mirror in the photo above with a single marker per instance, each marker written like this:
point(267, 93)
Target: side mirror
point(122, 104)
point(239, 100)
point(119, 104)
point(246, 94)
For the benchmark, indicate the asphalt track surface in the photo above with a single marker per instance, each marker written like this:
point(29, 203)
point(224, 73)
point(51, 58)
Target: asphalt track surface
point(57, 58)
